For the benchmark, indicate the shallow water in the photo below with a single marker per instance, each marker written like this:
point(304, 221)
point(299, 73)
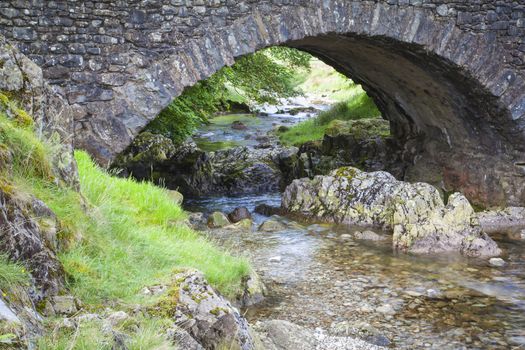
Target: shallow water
point(437, 302)
point(220, 135)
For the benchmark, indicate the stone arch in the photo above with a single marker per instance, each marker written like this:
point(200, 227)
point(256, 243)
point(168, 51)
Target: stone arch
point(449, 77)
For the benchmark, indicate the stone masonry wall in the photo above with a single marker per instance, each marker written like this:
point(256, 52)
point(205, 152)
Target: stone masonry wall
point(449, 75)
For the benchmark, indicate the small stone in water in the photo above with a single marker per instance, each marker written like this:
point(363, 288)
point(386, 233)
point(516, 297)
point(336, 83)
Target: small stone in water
point(386, 309)
point(275, 259)
point(497, 262)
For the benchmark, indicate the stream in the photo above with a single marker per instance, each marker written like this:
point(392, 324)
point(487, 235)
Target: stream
point(318, 276)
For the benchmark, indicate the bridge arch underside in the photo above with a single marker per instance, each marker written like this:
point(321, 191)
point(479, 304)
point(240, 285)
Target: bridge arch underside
point(451, 131)
point(455, 103)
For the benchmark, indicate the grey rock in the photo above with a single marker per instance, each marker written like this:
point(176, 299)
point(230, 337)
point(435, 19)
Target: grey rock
point(369, 235)
point(497, 262)
point(217, 220)
point(420, 221)
point(209, 318)
point(64, 305)
point(239, 214)
point(6, 314)
point(272, 225)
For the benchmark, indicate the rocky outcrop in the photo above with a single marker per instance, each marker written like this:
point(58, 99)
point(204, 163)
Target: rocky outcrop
point(205, 315)
point(363, 143)
point(415, 213)
point(510, 221)
point(193, 172)
point(28, 234)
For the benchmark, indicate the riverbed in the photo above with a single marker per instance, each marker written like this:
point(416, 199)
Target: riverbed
point(319, 276)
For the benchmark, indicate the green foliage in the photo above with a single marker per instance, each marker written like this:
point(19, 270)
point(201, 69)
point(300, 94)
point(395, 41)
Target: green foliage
point(261, 77)
point(30, 155)
point(132, 236)
point(360, 107)
point(142, 334)
point(357, 108)
point(11, 273)
point(324, 81)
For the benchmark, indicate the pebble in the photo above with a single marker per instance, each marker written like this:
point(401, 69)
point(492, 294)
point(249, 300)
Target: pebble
point(386, 309)
point(497, 262)
point(275, 259)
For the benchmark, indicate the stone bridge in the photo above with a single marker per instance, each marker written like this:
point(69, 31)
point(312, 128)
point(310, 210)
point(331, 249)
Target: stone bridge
point(448, 74)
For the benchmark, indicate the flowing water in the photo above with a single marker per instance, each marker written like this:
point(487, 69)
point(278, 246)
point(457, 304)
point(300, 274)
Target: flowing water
point(318, 276)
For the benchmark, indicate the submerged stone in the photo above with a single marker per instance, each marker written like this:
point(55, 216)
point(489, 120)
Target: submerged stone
point(217, 219)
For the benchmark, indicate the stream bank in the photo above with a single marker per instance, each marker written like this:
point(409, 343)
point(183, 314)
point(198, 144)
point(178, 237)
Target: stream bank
point(324, 275)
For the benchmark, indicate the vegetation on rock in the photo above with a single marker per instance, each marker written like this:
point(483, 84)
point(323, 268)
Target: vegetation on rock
point(359, 107)
point(11, 273)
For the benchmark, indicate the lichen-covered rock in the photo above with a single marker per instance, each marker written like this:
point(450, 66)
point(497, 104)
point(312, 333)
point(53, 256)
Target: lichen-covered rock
point(273, 224)
point(27, 234)
point(416, 214)
point(209, 318)
point(217, 219)
point(510, 220)
point(65, 305)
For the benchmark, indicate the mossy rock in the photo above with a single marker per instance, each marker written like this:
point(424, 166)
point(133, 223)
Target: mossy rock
point(217, 219)
point(360, 129)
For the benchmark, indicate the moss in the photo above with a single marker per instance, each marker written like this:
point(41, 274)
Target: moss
point(347, 172)
point(212, 146)
point(217, 311)
point(8, 103)
point(167, 305)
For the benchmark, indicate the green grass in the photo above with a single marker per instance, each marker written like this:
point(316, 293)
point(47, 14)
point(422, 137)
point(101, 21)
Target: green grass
point(303, 132)
point(118, 235)
point(357, 108)
point(132, 236)
point(11, 274)
point(142, 334)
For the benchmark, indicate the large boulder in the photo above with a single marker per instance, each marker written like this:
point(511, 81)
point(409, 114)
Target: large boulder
point(205, 315)
point(420, 221)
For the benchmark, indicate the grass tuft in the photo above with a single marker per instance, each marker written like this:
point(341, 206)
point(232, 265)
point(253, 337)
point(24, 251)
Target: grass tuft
point(11, 274)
